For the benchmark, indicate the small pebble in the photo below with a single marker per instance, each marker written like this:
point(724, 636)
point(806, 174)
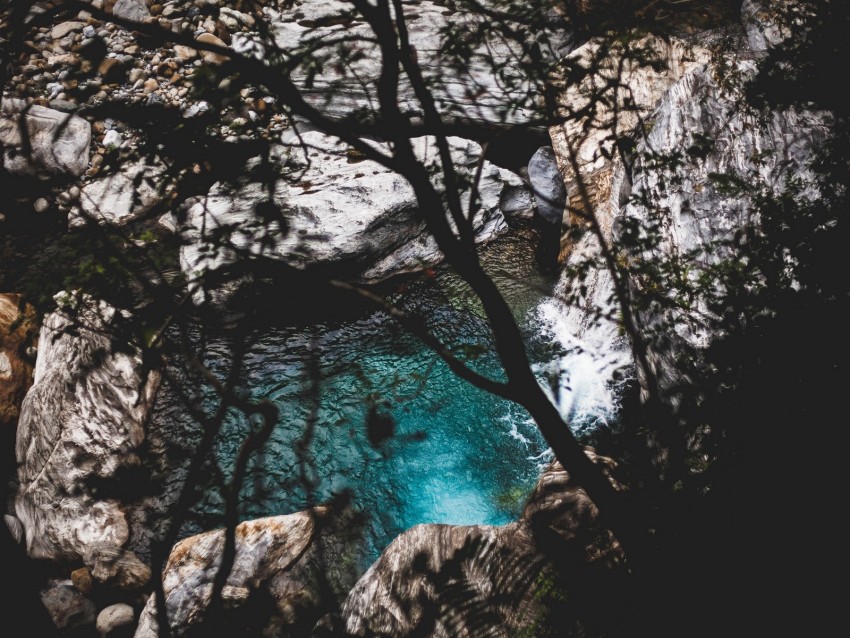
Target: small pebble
point(112, 138)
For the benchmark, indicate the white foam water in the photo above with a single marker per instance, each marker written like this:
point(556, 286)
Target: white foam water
point(587, 380)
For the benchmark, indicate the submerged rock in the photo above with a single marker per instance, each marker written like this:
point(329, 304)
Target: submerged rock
point(54, 143)
point(80, 424)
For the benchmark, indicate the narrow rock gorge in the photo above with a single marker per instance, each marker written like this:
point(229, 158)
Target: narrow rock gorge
point(307, 302)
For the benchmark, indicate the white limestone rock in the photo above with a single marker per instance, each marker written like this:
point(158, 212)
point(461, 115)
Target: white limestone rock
point(55, 143)
point(624, 92)
point(698, 213)
point(697, 112)
point(119, 197)
point(474, 92)
point(761, 27)
point(356, 216)
point(82, 420)
point(281, 556)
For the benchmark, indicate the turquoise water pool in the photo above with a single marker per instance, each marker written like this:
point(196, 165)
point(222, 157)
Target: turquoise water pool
point(367, 410)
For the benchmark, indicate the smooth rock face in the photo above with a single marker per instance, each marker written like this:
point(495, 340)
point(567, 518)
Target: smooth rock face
point(446, 580)
point(67, 607)
point(697, 211)
point(550, 194)
point(131, 10)
point(472, 92)
point(558, 509)
point(17, 334)
point(80, 423)
point(120, 197)
point(353, 215)
point(694, 110)
point(294, 561)
point(56, 143)
point(585, 146)
point(113, 618)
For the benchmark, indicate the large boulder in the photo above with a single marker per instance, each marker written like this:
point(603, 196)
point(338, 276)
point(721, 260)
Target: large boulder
point(698, 211)
point(608, 88)
point(353, 217)
point(489, 86)
point(547, 184)
point(42, 142)
point(447, 580)
point(121, 196)
point(286, 572)
point(80, 426)
point(18, 338)
point(704, 114)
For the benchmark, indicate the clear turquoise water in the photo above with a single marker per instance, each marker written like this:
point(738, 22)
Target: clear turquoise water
point(457, 454)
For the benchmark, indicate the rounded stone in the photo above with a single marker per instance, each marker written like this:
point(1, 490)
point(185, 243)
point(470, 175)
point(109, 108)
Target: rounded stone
point(209, 56)
point(112, 138)
point(114, 617)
